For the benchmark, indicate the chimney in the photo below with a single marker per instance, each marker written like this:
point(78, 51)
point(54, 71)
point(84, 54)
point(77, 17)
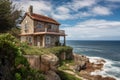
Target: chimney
point(30, 9)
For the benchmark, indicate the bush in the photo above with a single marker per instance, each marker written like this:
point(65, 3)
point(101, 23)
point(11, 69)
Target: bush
point(58, 50)
point(13, 65)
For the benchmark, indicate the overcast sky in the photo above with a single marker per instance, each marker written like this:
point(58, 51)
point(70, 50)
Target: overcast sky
point(81, 19)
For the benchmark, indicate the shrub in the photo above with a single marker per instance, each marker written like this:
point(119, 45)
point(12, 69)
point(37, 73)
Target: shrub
point(58, 50)
point(13, 65)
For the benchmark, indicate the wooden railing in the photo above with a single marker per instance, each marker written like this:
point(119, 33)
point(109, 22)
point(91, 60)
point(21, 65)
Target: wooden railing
point(49, 30)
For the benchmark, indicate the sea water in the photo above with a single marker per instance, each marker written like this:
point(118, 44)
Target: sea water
point(107, 50)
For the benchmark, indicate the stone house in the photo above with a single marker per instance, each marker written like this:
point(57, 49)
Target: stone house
point(39, 30)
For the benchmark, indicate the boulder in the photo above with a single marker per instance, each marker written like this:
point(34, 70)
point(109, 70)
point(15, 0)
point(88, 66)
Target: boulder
point(66, 56)
point(49, 62)
point(43, 62)
point(51, 75)
point(34, 61)
point(80, 62)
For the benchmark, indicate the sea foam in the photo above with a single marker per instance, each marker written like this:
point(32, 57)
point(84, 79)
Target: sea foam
point(108, 70)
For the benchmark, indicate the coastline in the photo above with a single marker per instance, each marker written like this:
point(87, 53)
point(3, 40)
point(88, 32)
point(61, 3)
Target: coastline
point(94, 69)
point(106, 50)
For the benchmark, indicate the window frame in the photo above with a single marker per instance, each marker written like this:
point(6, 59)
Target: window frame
point(48, 40)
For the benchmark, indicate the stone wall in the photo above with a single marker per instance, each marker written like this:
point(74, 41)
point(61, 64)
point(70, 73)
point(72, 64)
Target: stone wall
point(27, 20)
point(80, 62)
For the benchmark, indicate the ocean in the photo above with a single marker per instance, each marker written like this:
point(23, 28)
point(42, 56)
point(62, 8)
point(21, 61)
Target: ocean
point(107, 50)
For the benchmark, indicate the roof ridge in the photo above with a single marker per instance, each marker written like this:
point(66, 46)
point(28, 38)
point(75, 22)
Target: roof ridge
point(40, 17)
point(43, 16)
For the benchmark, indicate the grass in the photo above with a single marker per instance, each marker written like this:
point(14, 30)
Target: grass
point(67, 76)
point(65, 65)
point(34, 50)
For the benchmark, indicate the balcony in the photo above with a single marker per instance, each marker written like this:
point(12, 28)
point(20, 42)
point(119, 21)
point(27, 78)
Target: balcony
point(49, 31)
point(39, 30)
point(45, 30)
point(61, 31)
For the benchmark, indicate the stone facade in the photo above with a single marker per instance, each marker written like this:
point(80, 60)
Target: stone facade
point(39, 30)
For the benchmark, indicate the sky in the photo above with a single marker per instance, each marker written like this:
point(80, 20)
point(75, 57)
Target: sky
point(81, 19)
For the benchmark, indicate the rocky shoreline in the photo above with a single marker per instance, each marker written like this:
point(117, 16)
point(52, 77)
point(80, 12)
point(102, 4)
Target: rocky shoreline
point(82, 67)
point(91, 66)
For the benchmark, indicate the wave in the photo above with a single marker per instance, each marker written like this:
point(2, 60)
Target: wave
point(88, 49)
point(110, 68)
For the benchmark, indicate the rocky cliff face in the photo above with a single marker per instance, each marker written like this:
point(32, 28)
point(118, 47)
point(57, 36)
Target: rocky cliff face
point(43, 62)
point(66, 56)
point(80, 62)
point(51, 75)
point(47, 63)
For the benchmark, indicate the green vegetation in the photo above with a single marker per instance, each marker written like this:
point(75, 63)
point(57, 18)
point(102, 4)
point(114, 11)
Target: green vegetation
point(66, 76)
point(9, 18)
point(13, 65)
point(38, 51)
point(65, 65)
point(12, 51)
point(60, 49)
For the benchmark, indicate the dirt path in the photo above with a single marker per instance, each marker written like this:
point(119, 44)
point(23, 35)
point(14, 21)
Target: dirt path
point(73, 73)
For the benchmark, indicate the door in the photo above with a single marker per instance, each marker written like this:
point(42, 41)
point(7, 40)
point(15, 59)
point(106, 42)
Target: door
point(38, 40)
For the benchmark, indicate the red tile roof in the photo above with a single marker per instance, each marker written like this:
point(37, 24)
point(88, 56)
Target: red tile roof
point(42, 18)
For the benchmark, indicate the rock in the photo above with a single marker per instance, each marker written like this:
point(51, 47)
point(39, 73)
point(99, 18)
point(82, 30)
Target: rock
point(34, 61)
point(51, 75)
point(80, 62)
point(43, 62)
point(49, 62)
point(66, 56)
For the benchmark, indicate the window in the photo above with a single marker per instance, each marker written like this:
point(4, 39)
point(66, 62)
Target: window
point(30, 40)
point(26, 28)
point(39, 26)
point(49, 26)
point(47, 39)
point(53, 26)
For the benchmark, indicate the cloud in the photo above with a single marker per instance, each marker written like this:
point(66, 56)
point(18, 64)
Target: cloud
point(93, 29)
point(70, 10)
point(80, 9)
point(63, 10)
point(78, 4)
point(100, 10)
point(39, 6)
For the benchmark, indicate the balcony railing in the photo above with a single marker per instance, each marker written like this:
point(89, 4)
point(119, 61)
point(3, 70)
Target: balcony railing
point(62, 31)
point(39, 30)
point(49, 30)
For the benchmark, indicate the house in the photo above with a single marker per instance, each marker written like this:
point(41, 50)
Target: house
point(39, 30)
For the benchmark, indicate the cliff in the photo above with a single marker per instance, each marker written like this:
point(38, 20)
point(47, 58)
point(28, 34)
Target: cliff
point(78, 66)
point(49, 63)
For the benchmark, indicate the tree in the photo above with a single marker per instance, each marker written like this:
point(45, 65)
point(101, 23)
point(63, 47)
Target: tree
point(8, 15)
